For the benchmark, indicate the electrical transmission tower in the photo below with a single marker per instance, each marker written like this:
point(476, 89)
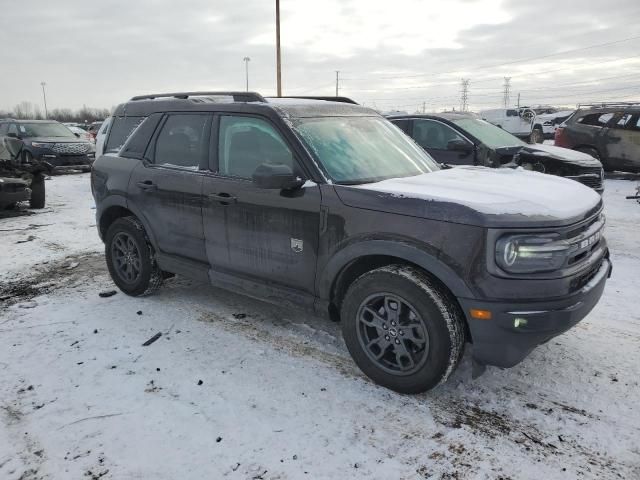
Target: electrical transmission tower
point(464, 95)
point(507, 91)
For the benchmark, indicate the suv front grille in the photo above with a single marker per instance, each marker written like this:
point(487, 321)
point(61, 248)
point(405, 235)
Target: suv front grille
point(591, 177)
point(70, 148)
point(582, 280)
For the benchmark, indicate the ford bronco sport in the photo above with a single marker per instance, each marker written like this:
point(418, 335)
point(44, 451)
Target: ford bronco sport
point(330, 207)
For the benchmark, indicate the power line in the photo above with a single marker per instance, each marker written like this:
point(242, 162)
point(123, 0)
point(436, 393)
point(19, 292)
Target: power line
point(511, 62)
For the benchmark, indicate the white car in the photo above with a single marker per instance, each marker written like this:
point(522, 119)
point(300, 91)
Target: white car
point(101, 135)
point(551, 121)
point(520, 122)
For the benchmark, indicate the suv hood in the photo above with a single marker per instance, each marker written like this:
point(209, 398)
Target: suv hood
point(480, 196)
point(57, 139)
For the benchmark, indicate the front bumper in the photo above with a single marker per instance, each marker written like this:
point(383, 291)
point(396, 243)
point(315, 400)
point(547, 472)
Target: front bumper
point(515, 329)
point(62, 162)
point(12, 191)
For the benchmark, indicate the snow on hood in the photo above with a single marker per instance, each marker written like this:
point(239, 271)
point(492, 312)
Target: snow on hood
point(561, 153)
point(496, 191)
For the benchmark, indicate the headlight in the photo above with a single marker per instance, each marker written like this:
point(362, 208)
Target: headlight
point(531, 253)
point(41, 145)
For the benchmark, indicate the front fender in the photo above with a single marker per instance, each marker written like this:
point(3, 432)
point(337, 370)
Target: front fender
point(405, 251)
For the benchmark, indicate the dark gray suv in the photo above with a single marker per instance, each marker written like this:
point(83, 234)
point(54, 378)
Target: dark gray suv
point(44, 140)
point(609, 132)
point(329, 207)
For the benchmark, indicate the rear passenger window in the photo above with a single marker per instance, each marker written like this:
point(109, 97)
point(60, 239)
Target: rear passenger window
point(182, 141)
point(596, 119)
point(246, 143)
point(121, 129)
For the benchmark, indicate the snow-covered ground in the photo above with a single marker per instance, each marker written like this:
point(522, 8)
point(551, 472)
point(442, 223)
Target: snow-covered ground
point(238, 389)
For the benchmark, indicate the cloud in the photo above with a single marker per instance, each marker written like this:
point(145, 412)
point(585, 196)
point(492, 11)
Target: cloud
point(391, 54)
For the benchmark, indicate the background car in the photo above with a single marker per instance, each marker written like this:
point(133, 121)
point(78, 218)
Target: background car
point(44, 140)
point(464, 139)
point(93, 129)
point(80, 133)
point(520, 122)
point(609, 132)
point(551, 121)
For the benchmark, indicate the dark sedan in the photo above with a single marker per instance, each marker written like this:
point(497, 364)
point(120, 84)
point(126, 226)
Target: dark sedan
point(464, 139)
point(44, 140)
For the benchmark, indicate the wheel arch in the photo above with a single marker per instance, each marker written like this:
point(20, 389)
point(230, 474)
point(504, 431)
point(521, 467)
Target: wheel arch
point(586, 146)
point(357, 259)
point(118, 207)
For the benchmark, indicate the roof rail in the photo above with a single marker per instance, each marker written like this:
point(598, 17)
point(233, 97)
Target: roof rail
point(237, 96)
point(608, 104)
point(326, 99)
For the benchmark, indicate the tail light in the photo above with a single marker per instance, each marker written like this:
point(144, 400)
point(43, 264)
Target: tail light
point(560, 138)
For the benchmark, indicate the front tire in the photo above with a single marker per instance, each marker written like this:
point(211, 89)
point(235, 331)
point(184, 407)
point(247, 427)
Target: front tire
point(402, 329)
point(130, 258)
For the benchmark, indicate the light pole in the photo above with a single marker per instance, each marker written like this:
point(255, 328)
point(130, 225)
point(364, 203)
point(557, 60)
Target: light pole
point(246, 70)
point(44, 96)
point(278, 62)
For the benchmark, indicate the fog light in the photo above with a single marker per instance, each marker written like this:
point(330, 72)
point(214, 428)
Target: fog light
point(519, 322)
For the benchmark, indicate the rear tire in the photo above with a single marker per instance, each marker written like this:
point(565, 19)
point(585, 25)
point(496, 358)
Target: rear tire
point(537, 136)
point(402, 329)
point(38, 193)
point(131, 259)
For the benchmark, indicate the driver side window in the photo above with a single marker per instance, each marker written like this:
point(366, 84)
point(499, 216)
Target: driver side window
point(433, 135)
point(246, 143)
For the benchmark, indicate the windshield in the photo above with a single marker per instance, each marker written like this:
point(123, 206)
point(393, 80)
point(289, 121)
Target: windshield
point(357, 150)
point(44, 130)
point(490, 135)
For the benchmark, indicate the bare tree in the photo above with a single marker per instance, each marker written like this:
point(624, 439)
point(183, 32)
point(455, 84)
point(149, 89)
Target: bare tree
point(23, 110)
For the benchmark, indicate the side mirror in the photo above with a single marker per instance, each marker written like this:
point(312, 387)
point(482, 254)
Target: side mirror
point(276, 177)
point(458, 145)
point(77, 135)
point(12, 135)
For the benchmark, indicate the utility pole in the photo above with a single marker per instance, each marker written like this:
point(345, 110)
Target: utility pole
point(464, 95)
point(44, 96)
point(278, 59)
point(337, 81)
point(424, 107)
point(507, 91)
point(518, 100)
point(246, 70)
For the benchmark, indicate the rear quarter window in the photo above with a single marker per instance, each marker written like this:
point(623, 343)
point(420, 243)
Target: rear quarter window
point(121, 130)
point(137, 143)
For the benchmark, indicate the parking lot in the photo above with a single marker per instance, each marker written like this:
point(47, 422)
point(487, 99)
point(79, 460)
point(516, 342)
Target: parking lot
point(236, 388)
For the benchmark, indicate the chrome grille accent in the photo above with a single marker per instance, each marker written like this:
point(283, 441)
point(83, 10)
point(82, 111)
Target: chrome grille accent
point(70, 148)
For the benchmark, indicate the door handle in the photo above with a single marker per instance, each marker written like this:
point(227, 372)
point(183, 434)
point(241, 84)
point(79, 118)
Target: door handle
point(147, 186)
point(223, 198)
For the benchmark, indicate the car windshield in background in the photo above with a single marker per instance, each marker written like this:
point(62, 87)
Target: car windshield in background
point(490, 135)
point(44, 130)
point(357, 150)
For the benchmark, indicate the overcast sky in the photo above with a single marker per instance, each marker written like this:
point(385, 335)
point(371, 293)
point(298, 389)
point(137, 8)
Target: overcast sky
point(391, 54)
